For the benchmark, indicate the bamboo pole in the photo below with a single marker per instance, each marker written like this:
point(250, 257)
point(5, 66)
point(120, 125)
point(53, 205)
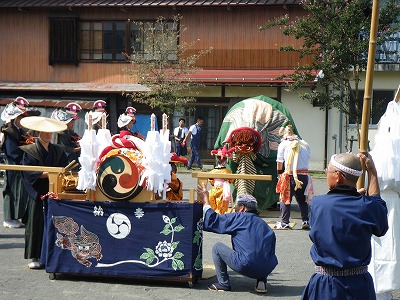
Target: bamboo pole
point(366, 112)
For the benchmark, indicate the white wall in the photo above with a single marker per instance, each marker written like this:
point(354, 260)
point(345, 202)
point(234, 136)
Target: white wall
point(310, 122)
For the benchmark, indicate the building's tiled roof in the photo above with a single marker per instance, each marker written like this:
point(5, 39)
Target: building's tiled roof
point(127, 3)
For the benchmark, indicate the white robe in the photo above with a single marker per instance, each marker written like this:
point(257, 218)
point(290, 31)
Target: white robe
point(385, 262)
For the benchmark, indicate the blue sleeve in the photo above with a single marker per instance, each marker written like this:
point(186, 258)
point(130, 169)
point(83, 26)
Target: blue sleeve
point(224, 224)
point(380, 212)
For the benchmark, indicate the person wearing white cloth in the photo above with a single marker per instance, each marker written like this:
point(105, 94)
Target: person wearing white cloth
point(385, 262)
point(180, 133)
point(293, 156)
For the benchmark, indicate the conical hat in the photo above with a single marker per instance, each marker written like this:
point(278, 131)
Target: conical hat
point(43, 124)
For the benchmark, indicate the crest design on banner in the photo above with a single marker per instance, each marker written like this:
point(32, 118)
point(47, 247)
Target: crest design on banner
point(83, 246)
point(118, 225)
point(139, 213)
point(162, 252)
point(98, 211)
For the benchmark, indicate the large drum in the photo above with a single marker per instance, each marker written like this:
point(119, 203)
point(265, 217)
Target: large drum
point(118, 178)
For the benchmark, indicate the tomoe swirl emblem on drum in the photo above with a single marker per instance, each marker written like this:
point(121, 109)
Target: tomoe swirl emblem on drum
point(118, 178)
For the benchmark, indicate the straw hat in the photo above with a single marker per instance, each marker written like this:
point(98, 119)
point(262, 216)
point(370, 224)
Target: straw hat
point(43, 124)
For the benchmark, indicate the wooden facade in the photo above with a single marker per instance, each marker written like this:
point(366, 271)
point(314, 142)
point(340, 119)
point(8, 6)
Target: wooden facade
point(231, 31)
point(233, 35)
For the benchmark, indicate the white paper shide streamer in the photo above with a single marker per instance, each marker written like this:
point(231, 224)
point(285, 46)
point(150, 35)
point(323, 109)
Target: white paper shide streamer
point(87, 159)
point(156, 157)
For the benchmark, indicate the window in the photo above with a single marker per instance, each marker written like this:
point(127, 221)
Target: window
point(379, 102)
point(63, 40)
point(113, 40)
point(102, 41)
point(389, 51)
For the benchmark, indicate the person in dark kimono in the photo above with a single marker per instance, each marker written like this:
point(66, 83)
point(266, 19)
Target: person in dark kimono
point(69, 138)
point(41, 153)
point(342, 224)
point(14, 194)
point(253, 242)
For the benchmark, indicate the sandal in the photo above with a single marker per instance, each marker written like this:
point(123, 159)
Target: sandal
point(218, 287)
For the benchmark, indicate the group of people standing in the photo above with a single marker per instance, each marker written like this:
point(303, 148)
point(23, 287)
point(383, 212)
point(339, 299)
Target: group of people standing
point(27, 139)
point(182, 134)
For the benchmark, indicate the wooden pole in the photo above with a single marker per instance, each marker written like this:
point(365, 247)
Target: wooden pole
point(366, 112)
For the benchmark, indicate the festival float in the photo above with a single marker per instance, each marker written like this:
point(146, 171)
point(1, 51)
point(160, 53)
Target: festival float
point(112, 217)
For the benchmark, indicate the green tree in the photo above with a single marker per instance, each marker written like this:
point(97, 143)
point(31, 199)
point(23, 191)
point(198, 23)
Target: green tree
point(335, 35)
point(163, 63)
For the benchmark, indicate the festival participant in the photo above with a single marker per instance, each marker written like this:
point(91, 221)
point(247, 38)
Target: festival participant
point(385, 261)
point(69, 138)
point(294, 179)
point(180, 133)
point(125, 124)
point(220, 195)
point(342, 223)
point(131, 111)
point(14, 194)
point(41, 153)
point(97, 112)
point(195, 134)
point(253, 242)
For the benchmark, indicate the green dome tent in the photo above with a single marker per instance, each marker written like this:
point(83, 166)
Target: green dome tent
point(267, 116)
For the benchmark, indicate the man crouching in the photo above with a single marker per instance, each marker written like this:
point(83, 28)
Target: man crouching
point(253, 242)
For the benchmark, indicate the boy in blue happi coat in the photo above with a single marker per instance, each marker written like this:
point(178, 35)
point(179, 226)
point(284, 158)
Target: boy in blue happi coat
point(253, 242)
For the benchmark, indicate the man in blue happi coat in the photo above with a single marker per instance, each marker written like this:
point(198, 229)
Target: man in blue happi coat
point(342, 223)
point(253, 242)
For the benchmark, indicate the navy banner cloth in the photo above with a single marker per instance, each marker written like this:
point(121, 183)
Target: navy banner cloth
point(160, 240)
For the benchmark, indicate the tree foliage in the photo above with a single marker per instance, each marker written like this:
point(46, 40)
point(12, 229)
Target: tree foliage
point(335, 34)
point(164, 65)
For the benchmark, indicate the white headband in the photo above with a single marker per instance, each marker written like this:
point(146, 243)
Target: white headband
point(343, 168)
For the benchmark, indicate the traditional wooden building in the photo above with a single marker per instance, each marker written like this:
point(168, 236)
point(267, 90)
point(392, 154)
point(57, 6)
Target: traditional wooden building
point(56, 51)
